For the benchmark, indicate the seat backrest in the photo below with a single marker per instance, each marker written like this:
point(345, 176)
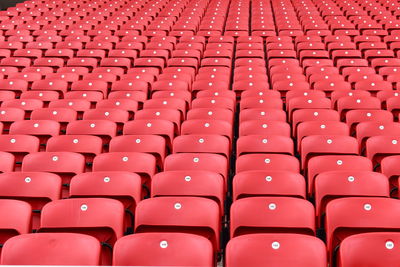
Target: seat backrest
point(349, 216)
point(157, 249)
point(51, 249)
point(272, 214)
point(268, 183)
point(180, 214)
point(379, 249)
point(283, 250)
point(99, 217)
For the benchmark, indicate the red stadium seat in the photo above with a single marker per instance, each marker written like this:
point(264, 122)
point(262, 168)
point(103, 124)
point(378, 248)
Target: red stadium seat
point(369, 249)
point(176, 214)
point(51, 249)
point(349, 216)
point(268, 183)
point(175, 249)
point(270, 249)
point(272, 214)
point(99, 217)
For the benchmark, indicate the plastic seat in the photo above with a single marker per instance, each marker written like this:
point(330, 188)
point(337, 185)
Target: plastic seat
point(264, 144)
point(175, 249)
point(102, 128)
point(338, 184)
point(152, 144)
point(25, 104)
point(195, 183)
point(276, 250)
point(16, 219)
point(195, 215)
point(64, 164)
point(272, 214)
point(101, 218)
point(141, 163)
point(207, 127)
point(197, 161)
point(51, 249)
point(198, 143)
point(214, 102)
point(87, 145)
point(60, 115)
point(210, 114)
point(7, 162)
point(19, 145)
point(261, 114)
point(378, 147)
point(353, 117)
point(267, 162)
point(160, 127)
point(378, 249)
point(268, 183)
point(117, 115)
point(171, 115)
point(308, 128)
point(125, 187)
point(315, 145)
point(355, 215)
point(43, 129)
point(36, 188)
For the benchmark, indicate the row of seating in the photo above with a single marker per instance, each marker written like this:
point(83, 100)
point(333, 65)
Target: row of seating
point(171, 136)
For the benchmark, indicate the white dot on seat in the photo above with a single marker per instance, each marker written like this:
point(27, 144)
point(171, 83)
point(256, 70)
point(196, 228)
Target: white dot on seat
point(275, 245)
point(389, 244)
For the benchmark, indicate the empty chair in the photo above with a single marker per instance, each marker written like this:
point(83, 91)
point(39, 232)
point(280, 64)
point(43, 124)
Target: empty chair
point(180, 214)
point(336, 184)
point(64, 164)
point(171, 115)
point(102, 128)
point(315, 145)
point(141, 163)
point(264, 127)
point(120, 185)
point(378, 147)
point(152, 144)
point(15, 219)
point(7, 162)
point(369, 249)
point(163, 249)
point(159, 127)
point(325, 163)
point(44, 129)
point(51, 249)
point(353, 117)
point(190, 183)
point(391, 168)
point(36, 188)
point(207, 127)
point(308, 128)
point(364, 130)
point(344, 104)
point(19, 145)
point(197, 161)
point(261, 114)
point(207, 143)
point(99, 217)
point(268, 183)
point(275, 250)
point(302, 115)
point(267, 162)
point(264, 144)
point(88, 145)
point(272, 214)
point(349, 216)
